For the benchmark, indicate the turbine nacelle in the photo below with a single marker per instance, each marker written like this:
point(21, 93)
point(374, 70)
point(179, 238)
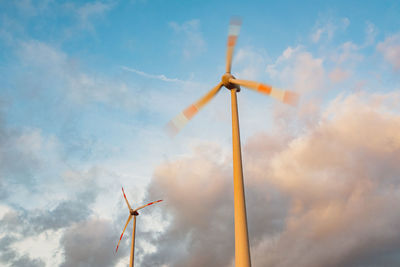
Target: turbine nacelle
point(134, 212)
point(226, 82)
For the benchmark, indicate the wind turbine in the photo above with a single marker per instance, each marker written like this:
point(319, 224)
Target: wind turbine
point(134, 213)
point(242, 251)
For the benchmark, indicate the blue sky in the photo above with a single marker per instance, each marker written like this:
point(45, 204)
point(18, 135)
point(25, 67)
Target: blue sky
point(86, 88)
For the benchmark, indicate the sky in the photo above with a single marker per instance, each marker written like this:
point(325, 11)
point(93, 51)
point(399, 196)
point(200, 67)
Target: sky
point(87, 87)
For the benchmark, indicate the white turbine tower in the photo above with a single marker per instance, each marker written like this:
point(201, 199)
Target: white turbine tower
point(134, 213)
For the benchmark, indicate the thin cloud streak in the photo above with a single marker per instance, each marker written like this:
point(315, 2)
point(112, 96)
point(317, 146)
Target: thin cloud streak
point(160, 77)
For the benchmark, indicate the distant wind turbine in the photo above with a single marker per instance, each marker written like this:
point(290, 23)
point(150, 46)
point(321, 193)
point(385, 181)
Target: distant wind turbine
point(242, 250)
point(134, 213)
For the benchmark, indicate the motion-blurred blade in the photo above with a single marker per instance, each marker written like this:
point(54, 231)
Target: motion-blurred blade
point(233, 33)
point(148, 204)
point(285, 96)
point(127, 203)
point(176, 124)
point(129, 218)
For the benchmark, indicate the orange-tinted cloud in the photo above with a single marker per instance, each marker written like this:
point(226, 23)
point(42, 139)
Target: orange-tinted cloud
point(326, 197)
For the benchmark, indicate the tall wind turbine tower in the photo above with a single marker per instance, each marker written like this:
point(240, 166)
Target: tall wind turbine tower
point(132, 213)
point(242, 250)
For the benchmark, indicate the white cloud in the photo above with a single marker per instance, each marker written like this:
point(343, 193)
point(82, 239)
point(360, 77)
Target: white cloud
point(390, 48)
point(304, 72)
point(191, 37)
point(312, 199)
point(50, 69)
point(327, 28)
point(351, 180)
point(160, 77)
point(370, 33)
point(249, 63)
point(89, 11)
point(92, 9)
point(44, 246)
point(348, 53)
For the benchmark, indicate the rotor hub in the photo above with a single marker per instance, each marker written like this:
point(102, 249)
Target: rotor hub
point(225, 81)
point(134, 212)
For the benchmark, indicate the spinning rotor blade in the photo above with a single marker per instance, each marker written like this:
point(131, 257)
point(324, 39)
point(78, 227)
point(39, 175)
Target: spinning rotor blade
point(148, 204)
point(233, 33)
point(129, 218)
point(127, 203)
point(176, 124)
point(287, 97)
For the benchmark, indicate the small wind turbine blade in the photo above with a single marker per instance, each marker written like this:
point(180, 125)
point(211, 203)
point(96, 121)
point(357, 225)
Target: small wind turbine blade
point(129, 218)
point(285, 96)
point(126, 200)
point(176, 124)
point(233, 33)
point(148, 204)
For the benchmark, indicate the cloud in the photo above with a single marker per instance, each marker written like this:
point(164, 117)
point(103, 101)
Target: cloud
point(46, 209)
point(60, 226)
point(322, 198)
point(197, 190)
point(46, 70)
point(90, 11)
point(390, 49)
point(90, 243)
point(327, 28)
point(160, 77)
point(13, 258)
point(191, 37)
point(249, 63)
point(299, 69)
point(185, 242)
point(347, 53)
point(34, 222)
point(339, 183)
point(371, 32)
point(22, 154)
point(338, 75)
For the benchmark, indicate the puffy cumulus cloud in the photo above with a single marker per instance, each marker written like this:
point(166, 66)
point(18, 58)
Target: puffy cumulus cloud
point(250, 63)
point(90, 243)
point(198, 194)
point(21, 228)
point(325, 197)
point(191, 37)
point(23, 154)
point(10, 256)
point(37, 221)
point(300, 68)
point(13, 258)
point(46, 71)
point(343, 181)
point(390, 49)
point(195, 190)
